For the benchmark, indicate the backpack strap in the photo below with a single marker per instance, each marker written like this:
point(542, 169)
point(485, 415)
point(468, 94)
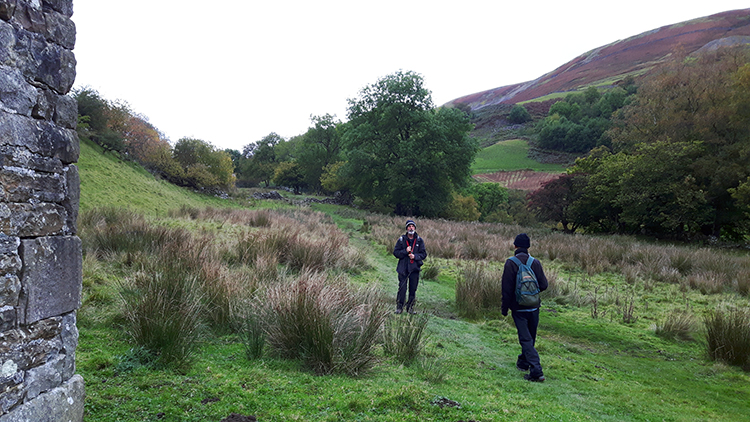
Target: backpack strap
point(518, 261)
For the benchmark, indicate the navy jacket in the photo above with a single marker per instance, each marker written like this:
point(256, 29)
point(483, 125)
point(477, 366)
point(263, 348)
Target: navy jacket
point(404, 267)
point(509, 280)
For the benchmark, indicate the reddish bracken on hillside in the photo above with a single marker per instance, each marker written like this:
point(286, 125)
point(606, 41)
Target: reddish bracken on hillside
point(633, 56)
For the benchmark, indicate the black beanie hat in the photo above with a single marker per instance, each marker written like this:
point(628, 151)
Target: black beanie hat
point(411, 222)
point(522, 241)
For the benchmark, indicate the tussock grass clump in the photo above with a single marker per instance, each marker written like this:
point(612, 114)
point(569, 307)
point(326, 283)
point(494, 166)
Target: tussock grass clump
point(477, 290)
point(109, 231)
point(430, 272)
point(728, 336)
point(164, 301)
point(677, 324)
point(403, 337)
point(324, 321)
point(163, 315)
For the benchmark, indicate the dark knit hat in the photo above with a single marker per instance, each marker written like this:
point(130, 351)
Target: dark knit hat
point(411, 222)
point(522, 241)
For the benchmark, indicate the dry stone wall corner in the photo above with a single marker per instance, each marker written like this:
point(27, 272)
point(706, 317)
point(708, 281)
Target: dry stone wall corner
point(40, 252)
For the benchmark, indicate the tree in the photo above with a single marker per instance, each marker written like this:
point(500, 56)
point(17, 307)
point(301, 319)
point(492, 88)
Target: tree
point(319, 147)
point(489, 197)
point(97, 112)
point(288, 174)
point(553, 200)
point(402, 152)
point(703, 98)
point(519, 114)
point(204, 165)
point(259, 159)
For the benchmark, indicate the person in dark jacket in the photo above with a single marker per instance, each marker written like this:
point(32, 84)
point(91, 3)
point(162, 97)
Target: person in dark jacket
point(526, 318)
point(411, 252)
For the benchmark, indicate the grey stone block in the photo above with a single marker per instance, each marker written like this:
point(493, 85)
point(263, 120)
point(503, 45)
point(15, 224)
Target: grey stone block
point(31, 220)
point(72, 198)
point(8, 318)
point(23, 185)
point(66, 111)
point(10, 287)
point(15, 93)
point(63, 6)
point(9, 244)
point(31, 346)
point(13, 156)
point(39, 137)
point(44, 378)
point(57, 68)
point(7, 8)
point(60, 30)
point(51, 279)
point(64, 403)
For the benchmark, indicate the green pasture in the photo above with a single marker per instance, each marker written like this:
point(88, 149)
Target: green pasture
point(509, 156)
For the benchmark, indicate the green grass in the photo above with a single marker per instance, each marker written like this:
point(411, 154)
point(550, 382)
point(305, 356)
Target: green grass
point(596, 369)
point(509, 155)
point(106, 180)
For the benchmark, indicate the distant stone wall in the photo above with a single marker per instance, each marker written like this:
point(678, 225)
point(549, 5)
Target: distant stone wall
point(40, 254)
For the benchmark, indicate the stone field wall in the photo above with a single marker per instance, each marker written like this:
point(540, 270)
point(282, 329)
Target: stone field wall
point(40, 253)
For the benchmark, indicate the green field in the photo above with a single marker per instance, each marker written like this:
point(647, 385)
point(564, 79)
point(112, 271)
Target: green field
point(509, 155)
point(597, 368)
point(106, 180)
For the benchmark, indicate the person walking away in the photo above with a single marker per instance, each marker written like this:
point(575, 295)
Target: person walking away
point(526, 318)
point(411, 252)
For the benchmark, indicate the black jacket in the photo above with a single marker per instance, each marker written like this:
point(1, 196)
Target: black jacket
point(405, 267)
point(509, 280)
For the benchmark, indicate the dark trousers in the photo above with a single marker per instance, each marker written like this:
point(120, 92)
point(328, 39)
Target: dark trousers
point(411, 281)
point(526, 324)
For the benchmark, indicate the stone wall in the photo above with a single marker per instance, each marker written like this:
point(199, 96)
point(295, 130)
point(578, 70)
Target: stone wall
point(40, 254)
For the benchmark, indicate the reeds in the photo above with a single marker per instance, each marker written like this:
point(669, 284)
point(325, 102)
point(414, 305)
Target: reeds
point(324, 321)
point(477, 290)
point(677, 324)
point(403, 337)
point(728, 336)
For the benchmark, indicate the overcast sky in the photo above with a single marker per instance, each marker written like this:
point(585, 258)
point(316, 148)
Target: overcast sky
point(232, 71)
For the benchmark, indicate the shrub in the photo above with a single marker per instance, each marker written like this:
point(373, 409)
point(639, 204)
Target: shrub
point(728, 336)
point(403, 337)
point(328, 324)
point(677, 324)
point(519, 114)
point(478, 290)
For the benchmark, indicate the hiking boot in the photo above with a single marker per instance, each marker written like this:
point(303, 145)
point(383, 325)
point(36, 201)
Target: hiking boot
point(399, 310)
point(528, 377)
point(521, 368)
point(411, 311)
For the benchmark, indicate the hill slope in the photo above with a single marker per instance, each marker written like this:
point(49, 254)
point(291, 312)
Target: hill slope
point(109, 181)
point(634, 56)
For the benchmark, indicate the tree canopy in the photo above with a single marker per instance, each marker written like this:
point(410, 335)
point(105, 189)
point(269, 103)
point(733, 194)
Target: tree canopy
point(678, 162)
point(402, 152)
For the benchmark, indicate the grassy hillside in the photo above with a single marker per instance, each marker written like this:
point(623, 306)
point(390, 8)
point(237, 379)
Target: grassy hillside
point(108, 181)
point(509, 155)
